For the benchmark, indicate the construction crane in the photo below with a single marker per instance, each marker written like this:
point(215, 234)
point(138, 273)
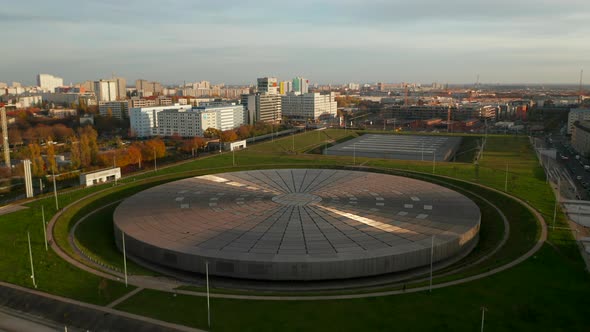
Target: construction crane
point(581, 76)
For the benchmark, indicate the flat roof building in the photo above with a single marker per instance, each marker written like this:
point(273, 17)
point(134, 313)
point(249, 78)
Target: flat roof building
point(308, 106)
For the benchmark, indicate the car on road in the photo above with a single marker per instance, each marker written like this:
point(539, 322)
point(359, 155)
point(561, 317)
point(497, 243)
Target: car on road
point(564, 157)
point(579, 177)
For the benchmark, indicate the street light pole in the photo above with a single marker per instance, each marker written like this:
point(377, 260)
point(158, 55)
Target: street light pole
point(483, 314)
point(354, 154)
point(124, 257)
point(422, 151)
point(506, 180)
point(155, 161)
point(208, 303)
point(433, 162)
point(55, 191)
point(431, 261)
point(31, 259)
point(44, 230)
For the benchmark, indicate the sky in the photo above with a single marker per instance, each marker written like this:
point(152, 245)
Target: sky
point(330, 41)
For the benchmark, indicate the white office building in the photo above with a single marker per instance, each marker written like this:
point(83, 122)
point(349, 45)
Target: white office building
point(185, 121)
point(308, 106)
point(49, 82)
point(577, 114)
point(106, 90)
point(144, 121)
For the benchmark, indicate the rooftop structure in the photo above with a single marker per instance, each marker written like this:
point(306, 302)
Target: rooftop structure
point(297, 224)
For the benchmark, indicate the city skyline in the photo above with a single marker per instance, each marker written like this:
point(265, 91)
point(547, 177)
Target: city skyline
point(326, 42)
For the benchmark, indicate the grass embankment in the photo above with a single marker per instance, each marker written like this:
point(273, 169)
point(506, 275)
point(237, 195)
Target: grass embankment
point(519, 299)
point(53, 274)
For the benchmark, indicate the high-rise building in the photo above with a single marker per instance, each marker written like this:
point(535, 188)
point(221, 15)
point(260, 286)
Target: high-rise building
point(285, 87)
point(267, 85)
point(264, 107)
point(300, 85)
point(49, 82)
point(105, 90)
point(121, 87)
point(146, 89)
point(308, 106)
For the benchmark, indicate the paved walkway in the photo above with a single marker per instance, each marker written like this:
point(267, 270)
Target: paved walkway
point(71, 312)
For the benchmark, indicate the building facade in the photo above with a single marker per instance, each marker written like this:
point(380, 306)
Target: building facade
point(115, 109)
point(300, 85)
point(49, 82)
point(577, 114)
point(143, 121)
point(267, 85)
point(264, 107)
point(308, 106)
point(581, 137)
point(185, 120)
point(106, 90)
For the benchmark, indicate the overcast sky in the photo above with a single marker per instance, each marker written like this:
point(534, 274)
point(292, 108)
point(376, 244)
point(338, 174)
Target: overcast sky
point(333, 41)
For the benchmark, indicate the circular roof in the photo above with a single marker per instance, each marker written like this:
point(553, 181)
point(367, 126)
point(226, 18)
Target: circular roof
point(296, 224)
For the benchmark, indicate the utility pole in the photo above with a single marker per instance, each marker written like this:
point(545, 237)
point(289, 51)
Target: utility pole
point(31, 259)
point(422, 151)
point(506, 179)
point(124, 257)
point(55, 191)
point(354, 154)
point(155, 161)
point(233, 157)
point(433, 162)
point(431, 262)
point(483, 314)
point(44, 227)
point(208, 303)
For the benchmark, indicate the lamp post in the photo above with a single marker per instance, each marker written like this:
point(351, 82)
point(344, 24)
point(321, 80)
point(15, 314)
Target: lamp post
point(31, 259)
point(208, 303)
point(431, 261)
point(155, 161)
point(55, 191)
point(44, 229)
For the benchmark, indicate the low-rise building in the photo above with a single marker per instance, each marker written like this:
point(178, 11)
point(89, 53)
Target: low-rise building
point(115, 109)
point(101, 176)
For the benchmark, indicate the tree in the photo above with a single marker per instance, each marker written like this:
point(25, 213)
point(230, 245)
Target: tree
point(42, 131)
point(211, 132)
point(245, 131)
point(14, 136)
point(61, 132)
point(228, 136)
point(50, 152)
point(75, 153)
point(37, 163)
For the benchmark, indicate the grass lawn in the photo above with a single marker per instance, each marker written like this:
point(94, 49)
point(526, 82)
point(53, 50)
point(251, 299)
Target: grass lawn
point(52, 274)
point(96, 238)
point(517, 300)
point(547, 292)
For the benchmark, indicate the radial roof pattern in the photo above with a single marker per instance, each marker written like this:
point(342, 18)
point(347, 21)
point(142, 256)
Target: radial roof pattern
point(297, 215)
